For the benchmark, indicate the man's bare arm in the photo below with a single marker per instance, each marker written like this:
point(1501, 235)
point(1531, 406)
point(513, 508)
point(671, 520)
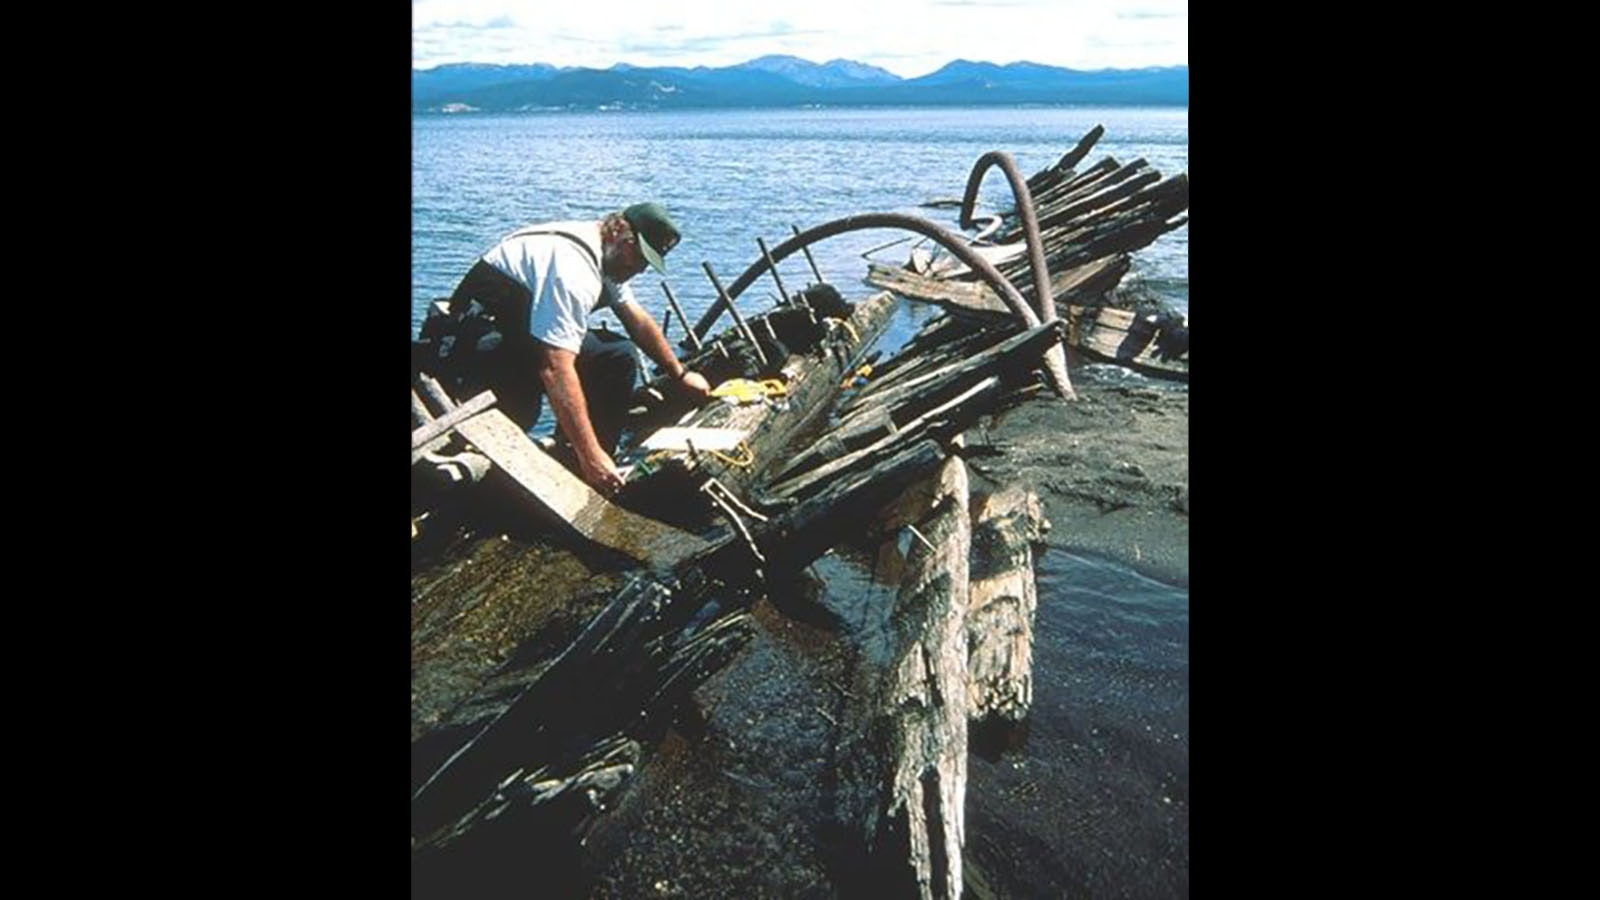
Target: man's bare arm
point(558, 372)
point(647, 335)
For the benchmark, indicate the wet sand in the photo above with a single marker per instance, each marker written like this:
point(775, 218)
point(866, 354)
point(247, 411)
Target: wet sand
point(1112, 468)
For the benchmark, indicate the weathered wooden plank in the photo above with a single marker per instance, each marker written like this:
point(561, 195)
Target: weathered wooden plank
point(1074, 209)
point(1120, 240)
point(936, 357)
point(1125, 232)
point(419, 412)
point(1002, 604)
point(948, 266)
point(1148, 198)
point(872, 425)
point(1090, 279)
point(1080, 150)
point(435, 392)
point(797, 537)
point(959, 411)
point(1057, 182)
point(1085, 182)
point(1150, 201)
point(420, 415)
point(1082, 233)
point(1084, 283)
point(1101, 332)
point(969, 294)
point(1010, 355)
point(922, 707)
point(564, 495)
point(433, 429)
point(1088, 236)
point(811, 379)
point(936, 344)
point(632, 658)
point(1084, 196)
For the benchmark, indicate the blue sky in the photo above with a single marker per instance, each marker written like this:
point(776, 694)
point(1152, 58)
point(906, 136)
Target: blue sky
point(906, 37)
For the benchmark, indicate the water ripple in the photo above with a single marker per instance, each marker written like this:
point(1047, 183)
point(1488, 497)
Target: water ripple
point(730, 176)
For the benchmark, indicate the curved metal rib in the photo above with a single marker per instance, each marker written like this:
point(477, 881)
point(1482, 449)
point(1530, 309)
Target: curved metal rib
point(1043, 298)
point(955, 243)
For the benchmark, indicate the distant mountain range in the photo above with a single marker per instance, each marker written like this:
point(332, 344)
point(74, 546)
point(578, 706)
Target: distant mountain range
point(784, 81)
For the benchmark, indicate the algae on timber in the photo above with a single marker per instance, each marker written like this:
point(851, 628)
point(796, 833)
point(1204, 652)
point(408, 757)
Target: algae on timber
point(491, 595)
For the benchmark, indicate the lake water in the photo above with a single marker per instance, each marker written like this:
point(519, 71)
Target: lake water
point(729, 177)
point(1109, 736)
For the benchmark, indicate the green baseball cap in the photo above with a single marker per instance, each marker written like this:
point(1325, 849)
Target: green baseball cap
point(655, 231)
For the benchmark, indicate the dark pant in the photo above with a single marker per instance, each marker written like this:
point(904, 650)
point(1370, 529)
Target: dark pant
point(505, 360)
point(608, 368)
point(607, 371)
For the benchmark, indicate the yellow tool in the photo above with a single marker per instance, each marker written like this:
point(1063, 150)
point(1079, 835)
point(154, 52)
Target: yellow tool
point(740, 391)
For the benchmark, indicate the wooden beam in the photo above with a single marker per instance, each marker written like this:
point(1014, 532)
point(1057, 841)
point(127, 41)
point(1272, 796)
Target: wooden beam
point(1071, 285)
point(1016, 352)
point(1077, 153)
point(672, 301)
point(614, 672)
point(919, 720)
point(435, 392)
point(959, 412)
point(419, 412)
point(1002, 604)
point(812, 381)
point(566, 497)
point(1101, 332)
point(954, 345)
point(1075, 184)
point(1088, 205)
point(449, 420)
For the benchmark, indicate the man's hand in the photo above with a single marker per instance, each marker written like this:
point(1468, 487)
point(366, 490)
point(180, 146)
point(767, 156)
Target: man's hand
point(695, 387)
point(558, 372)
point(647, 335)
point(600, 473)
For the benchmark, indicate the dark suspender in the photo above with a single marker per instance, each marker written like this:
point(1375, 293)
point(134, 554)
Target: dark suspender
point(608, 299)
point(587, 250)
point(499, 293)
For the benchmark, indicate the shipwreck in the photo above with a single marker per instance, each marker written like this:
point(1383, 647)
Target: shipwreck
point(558, 637)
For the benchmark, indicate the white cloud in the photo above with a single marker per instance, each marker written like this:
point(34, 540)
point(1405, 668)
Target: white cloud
point(907, 37)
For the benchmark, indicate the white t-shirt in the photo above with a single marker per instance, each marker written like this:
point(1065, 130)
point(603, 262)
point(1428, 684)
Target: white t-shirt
point(566, 283)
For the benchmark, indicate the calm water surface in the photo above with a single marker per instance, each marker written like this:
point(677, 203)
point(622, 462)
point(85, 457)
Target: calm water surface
point(729, 177)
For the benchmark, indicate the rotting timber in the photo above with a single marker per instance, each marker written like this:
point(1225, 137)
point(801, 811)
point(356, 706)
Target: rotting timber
point(559, 637)
point(1081, 227)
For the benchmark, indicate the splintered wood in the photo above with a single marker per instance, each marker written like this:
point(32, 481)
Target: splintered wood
point(922, 718)
point(1002, 601)
point(1089, 221)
